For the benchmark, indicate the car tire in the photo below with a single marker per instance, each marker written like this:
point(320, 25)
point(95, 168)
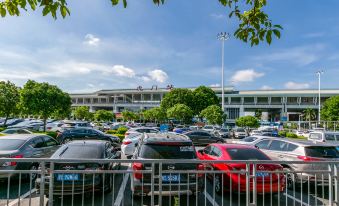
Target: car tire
point(291, 178)
point(218, 184)
point(66, 140)
point(32, 176)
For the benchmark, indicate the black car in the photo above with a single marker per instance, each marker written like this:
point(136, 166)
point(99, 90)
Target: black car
point(78, 183)
point(85, 134)
point(166, 146)
point(25, 146)
point(203, 138)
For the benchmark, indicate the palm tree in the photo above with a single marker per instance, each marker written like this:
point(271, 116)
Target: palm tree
point(309, 115)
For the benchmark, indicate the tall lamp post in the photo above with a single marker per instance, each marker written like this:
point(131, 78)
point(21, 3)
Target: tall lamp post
point(223, 36)
point(319, 73)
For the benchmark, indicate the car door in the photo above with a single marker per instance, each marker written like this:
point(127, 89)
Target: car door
point(37, 144)
point(50, 146)
point(263, 145)
point(193, 137)
point(277, 149)
point(205, 138)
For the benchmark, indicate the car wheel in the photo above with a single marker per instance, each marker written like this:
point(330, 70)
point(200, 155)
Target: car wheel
point(67, 140)
point(290, 177)
point(218, 184)
point(33, 176)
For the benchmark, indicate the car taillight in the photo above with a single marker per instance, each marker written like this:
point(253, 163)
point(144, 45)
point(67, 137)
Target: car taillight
point(200, 167)
point(126, 142)
point(137, 166)
point(13, 163)
point(306, 158)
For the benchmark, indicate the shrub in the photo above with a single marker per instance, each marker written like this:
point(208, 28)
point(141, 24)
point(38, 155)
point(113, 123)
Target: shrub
point(291, 135)
point(111, 131)
point(121, 136)
point(2, 134)
point(2, 129)
point(122, 130)
point(282, 133)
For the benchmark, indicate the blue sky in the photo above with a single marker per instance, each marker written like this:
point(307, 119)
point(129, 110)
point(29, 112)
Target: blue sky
point(104, 47)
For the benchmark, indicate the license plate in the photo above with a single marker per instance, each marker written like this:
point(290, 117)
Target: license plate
point(171, 178)
point(262, 174)
point(68, 177)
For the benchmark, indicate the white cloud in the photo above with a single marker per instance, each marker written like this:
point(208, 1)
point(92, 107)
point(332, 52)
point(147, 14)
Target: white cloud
point(215, 85)
point(247, 75)
point(217, 16)
point(314, 35)
point(121, 71)
point(158, 75)
point(295, 85)
point(302, 56)
point(266, 87)
point(91, 40)
point(145, 78)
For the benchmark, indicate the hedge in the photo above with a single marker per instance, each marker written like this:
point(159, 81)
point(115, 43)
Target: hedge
point(111, 131)
point(122, 130)
point(2, 129)
point(50, 133)
point(282, 133)
point(291, 135)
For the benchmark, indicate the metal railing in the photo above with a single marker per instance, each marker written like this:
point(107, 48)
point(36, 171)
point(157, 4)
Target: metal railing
point(167, 182)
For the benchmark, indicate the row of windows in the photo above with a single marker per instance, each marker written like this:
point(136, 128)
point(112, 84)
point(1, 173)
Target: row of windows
point(276, 145)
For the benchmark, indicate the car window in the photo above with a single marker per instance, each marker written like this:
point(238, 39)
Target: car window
point(153, 151)
point(323, 152)
point(246, 154)
point(249, 139)
point(37, 142)
point(77, 131)
point(316, 136)
point(263, 144)
point(278, 145)
point(10, 144)
point(291, 147)
point(207, 150)
point(215, 151)
point(204, 134)
point(330, 137)
point(80, 151)
point(240, 130)
point(49, 142)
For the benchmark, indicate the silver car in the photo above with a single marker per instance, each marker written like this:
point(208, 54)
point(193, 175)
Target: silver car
point(307, 151)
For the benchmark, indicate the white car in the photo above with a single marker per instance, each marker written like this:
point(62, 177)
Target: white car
point(255, 132)
point(208, 128)
point(129, 144)
point(250, 140)
point(140, 130)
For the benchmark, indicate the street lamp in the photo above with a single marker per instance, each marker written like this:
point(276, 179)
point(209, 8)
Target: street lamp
point(223, 36)
point(319, 73)
point(299, 123)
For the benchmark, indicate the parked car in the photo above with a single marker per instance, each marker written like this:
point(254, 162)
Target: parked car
point(239, 133)
point(138, 130)
point(166, 146)
point(223, 132)
point(85, 134)
point(25, 146)
point(10, 122)
point(208, 128)
point(181, 130)
point(129, 144)
point(231, 180)
point(29, 124)
point(250, 140)
point(117, 126)
point(203, 138)
point(71, 125)
point(255, 132)
point(288, 150)
point(323, 136)
point(54, 126)
point(16, 131)
point(75, 183)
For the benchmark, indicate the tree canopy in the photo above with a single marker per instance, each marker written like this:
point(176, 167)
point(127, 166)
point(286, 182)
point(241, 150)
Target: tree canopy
point(330, 109)
point(213, 114)
point(202, 98)
point(82, 113)
point(254, 23)
point(103, 115)
point(177, 96)
point(129, 115)
point(247, 121)
point(9, 99)
point(180, 112)
point(157, 114)
point(44, 100)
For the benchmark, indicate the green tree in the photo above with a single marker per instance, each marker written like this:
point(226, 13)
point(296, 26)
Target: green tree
point(330, 109)
point(156, 114)
point(82, 113)
point(129, 115)
point(213, 114)
point(254, 24)
point(309, 115)
point(180, 112)
point(44, 100)
point(202, 98)
point(258, 114)
point(9, 99)
point(103, 115)
point(177, 96)
point(247, 122)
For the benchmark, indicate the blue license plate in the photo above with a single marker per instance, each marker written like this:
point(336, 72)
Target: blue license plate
point(171, 178)
point(262, 174)
point(68, 177)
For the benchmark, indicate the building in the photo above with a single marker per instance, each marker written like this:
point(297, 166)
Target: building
point(275, 105)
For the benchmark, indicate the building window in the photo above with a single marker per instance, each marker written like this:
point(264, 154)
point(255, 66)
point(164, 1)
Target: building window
point(292, 100)
point(232, 113)
point(275, 100)
point(262, 100)
point(248, 100)
point(235, 100)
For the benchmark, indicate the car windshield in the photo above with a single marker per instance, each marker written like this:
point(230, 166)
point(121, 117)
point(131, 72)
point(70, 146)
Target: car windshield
point(246, 154)
point(323, 152)
point(208, 127)
point(249, 139)
point(240, 130)
point(152, 151)
point(10, 144)
point(80, 151)
point(223, 130)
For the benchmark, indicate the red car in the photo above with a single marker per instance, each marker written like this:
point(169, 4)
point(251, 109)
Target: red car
point(234, 176)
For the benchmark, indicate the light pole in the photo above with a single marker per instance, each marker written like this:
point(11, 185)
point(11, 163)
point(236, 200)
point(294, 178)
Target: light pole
point(299, 123)
point(319, 73)
point(223, 36)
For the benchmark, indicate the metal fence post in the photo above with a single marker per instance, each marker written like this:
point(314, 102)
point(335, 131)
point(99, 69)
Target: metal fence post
point(336, 191)
point(152, 184)
point(330, 187)
point(248, 174)
point(42, 184)
point(160, 183)
point(254, 184)
point(51, 184)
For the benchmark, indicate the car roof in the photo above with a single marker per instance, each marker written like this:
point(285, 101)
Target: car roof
point(22, 136)
point(238, 146)
point(165, 137)
point(87, 142)
point(302, 143)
